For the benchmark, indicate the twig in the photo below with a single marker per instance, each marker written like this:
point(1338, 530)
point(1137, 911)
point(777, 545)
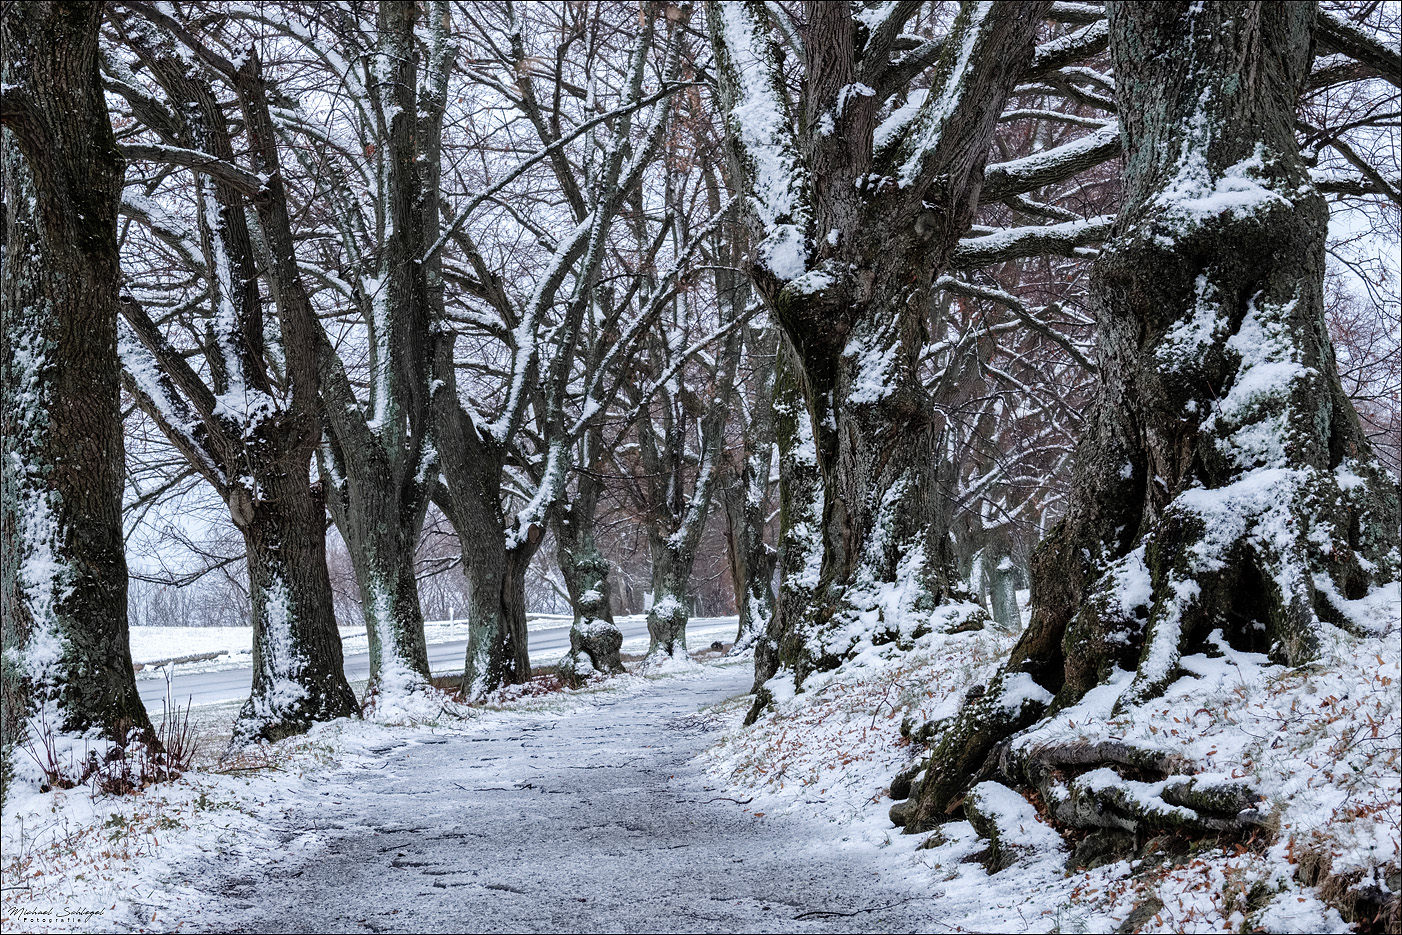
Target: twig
point(829, 913)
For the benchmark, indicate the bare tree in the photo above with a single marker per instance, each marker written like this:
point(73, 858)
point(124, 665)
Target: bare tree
point(859, 192)
point(250, 420)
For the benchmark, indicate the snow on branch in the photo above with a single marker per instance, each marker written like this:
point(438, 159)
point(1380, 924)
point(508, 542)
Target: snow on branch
point(640, 404)
point(169, 229)
point(1339, 35)
point(240, 179)
point(1071, 48)
point(154, 391)
point(1076, 13)
point(1018, 242)
point(596, 397)
point(958, 62)
point(543, 153)
point(757, 112)
point(1019, 176)
point(1332, 184)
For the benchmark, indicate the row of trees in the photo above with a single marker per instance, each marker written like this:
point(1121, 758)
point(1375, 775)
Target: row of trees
point(519, 266)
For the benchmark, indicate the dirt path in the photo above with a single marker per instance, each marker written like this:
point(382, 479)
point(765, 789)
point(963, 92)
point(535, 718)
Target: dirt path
point(596, 820)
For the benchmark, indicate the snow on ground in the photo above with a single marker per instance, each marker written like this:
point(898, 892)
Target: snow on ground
point(580, 811)
point(1321, 742)
point(623, 808)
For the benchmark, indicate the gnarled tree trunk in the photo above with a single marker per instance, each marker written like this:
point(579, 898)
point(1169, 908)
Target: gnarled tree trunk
point(251, 425)
point(1223, 482)
point(851, 227)
point(595, 640)
point(496, 569)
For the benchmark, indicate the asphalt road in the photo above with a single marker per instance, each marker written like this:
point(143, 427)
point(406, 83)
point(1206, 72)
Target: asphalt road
point(546, 646)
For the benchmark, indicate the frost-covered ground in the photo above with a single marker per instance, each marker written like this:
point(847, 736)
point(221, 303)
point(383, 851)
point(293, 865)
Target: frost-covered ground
point(645, 806)
point(1323, 744)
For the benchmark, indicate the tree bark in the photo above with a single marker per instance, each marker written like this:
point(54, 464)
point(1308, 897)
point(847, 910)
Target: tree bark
point(1223, 481)
point(298, 667)
point(595, 640)
point(470, 497)
point(380, 456)
point(251, 427)
point(851, 228)
point(746, 499)
point(786, 643)
point(64, 579)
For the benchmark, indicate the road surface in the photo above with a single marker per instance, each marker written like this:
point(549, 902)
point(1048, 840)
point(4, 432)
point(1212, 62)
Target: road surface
point(591, 818)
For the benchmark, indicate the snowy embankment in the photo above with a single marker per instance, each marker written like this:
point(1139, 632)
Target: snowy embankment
point(1322, 743)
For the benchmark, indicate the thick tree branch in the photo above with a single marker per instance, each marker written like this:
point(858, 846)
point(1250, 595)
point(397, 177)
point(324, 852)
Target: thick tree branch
point(1019, 242)
point(1339, 35)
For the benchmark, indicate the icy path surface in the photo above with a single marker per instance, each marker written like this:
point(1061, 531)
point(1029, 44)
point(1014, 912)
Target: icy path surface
point(596, 819)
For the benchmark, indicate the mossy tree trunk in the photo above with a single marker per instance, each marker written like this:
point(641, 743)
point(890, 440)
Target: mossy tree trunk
point(63, 572)
point(1223, 481)
point(595, 640)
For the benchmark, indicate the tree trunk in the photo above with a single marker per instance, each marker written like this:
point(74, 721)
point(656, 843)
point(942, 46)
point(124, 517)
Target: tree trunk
point(497, 651)
point(1223, 481)
point(1001, 574)
point(64, 579)
point(298, 671)
point(382, 541)
point(850, 229)
point(595, 640)
point(786, 644)
point(747, 498)
point(250, 426)
point(668, 616)
point(380, 456)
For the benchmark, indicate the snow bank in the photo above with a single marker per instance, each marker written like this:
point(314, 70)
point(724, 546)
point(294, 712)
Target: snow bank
point(1322, 743)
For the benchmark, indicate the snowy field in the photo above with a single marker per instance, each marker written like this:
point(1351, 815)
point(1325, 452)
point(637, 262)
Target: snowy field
point(154, 647)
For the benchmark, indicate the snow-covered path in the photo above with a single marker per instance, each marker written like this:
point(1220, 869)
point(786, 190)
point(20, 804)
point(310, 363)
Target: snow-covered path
point(595, 819)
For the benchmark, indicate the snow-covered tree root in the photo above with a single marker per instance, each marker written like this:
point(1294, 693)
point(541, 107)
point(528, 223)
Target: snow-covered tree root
point(1225, 499)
